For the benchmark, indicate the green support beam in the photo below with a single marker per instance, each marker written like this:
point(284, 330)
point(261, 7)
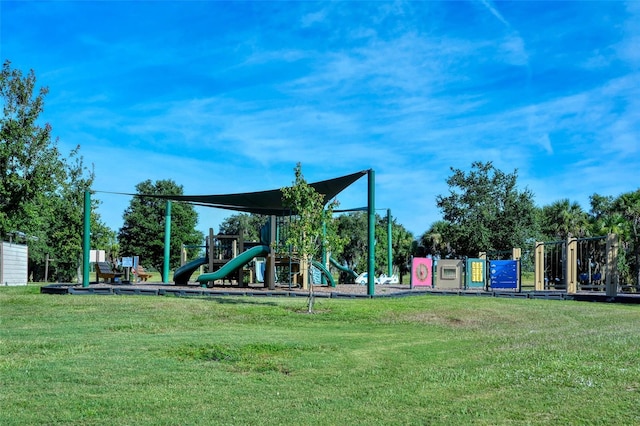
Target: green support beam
point(389, 246)
point(167, 242)
point(86, 239)
point(371, 267)
point(323, 254)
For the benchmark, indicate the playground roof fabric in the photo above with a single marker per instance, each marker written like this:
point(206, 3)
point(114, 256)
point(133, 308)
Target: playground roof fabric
point(263, 202)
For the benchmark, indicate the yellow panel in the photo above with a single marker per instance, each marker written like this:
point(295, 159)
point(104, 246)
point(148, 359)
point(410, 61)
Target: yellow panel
point(476, 272)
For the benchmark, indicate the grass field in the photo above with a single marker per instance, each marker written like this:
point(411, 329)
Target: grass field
point(110, 360)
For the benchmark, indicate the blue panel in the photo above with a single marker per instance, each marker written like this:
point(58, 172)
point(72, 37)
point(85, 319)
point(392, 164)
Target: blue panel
point(504, 274)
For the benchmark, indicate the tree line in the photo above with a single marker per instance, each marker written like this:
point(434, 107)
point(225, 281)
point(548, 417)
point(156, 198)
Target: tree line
point(41, 203)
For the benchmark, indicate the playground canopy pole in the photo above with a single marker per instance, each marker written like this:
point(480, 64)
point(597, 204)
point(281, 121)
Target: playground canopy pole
point(371, 288)
point(167, 242)
point(323, 254)
point(389, 247)
point(86, 238)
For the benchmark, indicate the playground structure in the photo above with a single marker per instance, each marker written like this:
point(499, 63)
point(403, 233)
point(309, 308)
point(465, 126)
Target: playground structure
point(578, 264)
point(571, 266)
point(267, 203)
point(226, 258)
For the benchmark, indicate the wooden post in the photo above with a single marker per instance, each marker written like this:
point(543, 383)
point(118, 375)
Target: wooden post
point(183, 256)
point(571, 266)
point(539, 267)
point(239, 248)
point(270, 267)
point(516, 253)
point(211, 249)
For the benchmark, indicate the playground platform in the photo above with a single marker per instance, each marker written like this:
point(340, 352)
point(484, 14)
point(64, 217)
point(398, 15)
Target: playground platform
point(351, 291)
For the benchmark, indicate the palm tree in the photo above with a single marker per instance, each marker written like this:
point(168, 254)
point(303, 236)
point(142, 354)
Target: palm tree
point(628, 205)
point(564, 219)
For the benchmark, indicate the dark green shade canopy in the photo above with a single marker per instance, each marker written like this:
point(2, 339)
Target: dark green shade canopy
point(263, 202)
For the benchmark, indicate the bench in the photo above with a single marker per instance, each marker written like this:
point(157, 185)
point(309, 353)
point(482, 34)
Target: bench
point(141, 273)
point(106, 272)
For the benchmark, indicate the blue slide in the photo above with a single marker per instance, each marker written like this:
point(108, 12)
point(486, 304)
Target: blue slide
point(182, 274)
point(234, 264)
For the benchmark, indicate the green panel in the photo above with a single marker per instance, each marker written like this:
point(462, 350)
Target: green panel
point(476, 276)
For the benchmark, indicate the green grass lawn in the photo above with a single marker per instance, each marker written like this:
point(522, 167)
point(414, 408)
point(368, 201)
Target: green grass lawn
point(113, 360)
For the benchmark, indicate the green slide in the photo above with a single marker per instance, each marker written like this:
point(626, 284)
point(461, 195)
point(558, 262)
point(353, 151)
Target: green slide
point(325, 271)
point(182, 274)
point(234, 264)
point(343, 268)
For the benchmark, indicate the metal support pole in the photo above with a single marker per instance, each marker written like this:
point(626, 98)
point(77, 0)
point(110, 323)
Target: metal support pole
point(611, 274)
point(323, 255)
point(86, 238)
point(167, 242)
point(371, 267)
point(389, 245)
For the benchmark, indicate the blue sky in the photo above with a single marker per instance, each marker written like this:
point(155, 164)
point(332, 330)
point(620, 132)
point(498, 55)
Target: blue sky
point(226, 97)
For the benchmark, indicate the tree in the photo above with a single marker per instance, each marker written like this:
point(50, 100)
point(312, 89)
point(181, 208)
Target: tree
point(628, 204)
point(433, 240)
point(353, 227)
point(40, 190)
point(564, 219)
point(30, 166)
point(309, 215)
point(65, 228)
point(247, 224)
point(486, 211)
point(401, 247)
point(142, 233)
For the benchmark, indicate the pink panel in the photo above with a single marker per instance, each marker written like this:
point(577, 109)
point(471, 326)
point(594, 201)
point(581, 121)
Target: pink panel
point(421, 272)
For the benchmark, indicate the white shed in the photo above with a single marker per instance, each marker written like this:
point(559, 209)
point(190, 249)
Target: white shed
point(14, 264)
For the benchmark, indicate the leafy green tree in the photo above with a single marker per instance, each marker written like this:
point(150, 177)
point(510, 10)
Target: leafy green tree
point(353, 227)
point(30, 164)
point(247, 224)
point(434, 240)
point(603, 217)
point(142, 233)
point(486, 211)
point(401, 247)
point(65, 229)
point(628, 204)
point(563, 219)
point(104, 238)
point(40, 190)
point(309, 215)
